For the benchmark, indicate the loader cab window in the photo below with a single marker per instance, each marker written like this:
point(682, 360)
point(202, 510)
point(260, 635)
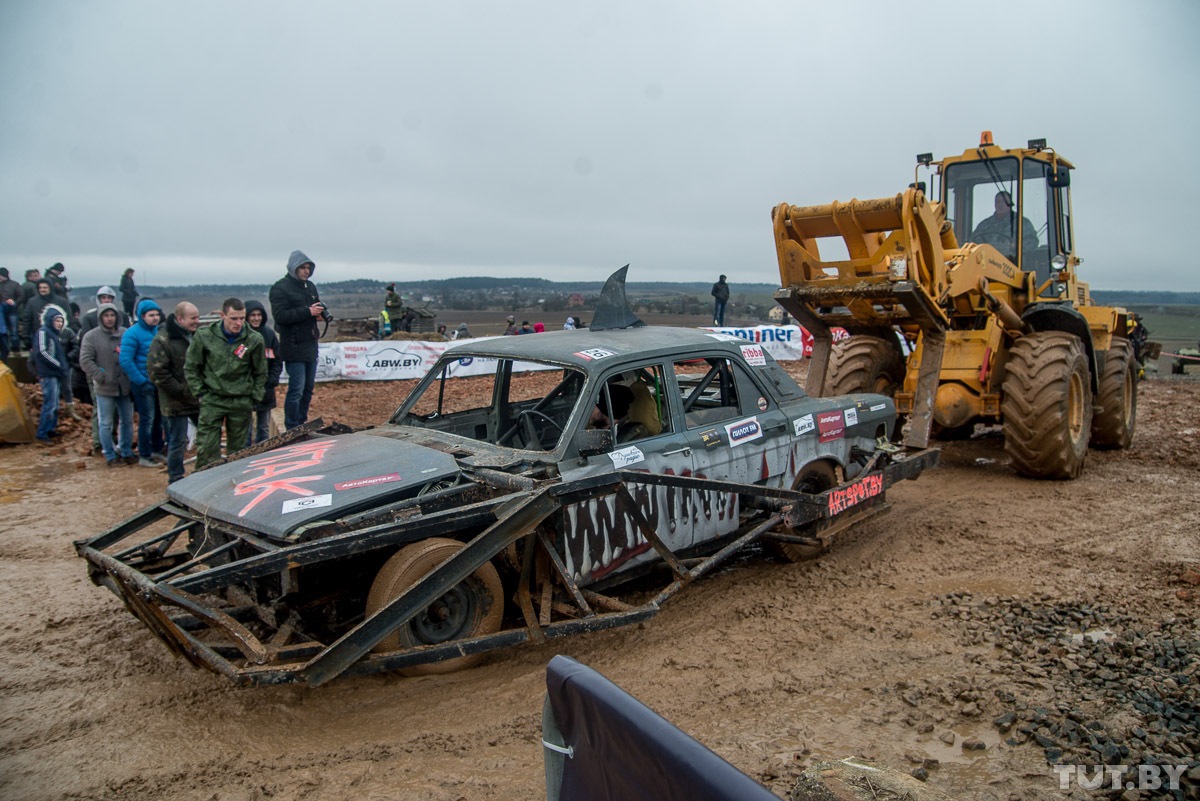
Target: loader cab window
point(1049, 209)
point(983, 200)
point(1038, 207)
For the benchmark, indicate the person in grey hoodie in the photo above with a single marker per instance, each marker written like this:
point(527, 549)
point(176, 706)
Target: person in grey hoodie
point(99, 357)
point(297, 307)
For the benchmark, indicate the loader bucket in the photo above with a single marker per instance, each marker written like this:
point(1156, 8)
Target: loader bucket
point(895, 273)
point(896, 247)
point(16, 426)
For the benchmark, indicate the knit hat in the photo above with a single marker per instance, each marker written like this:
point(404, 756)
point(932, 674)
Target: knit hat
point(3, 272)
point(391, 287)
point(56, 268)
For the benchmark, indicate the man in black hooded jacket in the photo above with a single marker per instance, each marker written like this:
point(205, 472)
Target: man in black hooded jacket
point(256, 318)
point(297, 307)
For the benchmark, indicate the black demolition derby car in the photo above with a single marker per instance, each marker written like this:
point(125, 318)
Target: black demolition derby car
point(474, 520)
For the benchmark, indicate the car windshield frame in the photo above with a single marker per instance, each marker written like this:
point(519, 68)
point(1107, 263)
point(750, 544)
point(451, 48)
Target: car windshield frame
point(515, 416)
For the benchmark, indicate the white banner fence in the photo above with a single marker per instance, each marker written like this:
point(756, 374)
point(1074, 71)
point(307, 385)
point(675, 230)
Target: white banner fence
point(391, 360)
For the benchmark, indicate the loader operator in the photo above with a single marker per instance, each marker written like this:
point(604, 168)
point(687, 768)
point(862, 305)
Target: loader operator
point(999, 230)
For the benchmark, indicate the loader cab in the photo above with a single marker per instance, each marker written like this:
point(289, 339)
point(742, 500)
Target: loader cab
point(1037, 226)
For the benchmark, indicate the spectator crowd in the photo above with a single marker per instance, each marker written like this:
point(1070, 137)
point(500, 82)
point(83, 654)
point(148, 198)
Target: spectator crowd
point(153, 378)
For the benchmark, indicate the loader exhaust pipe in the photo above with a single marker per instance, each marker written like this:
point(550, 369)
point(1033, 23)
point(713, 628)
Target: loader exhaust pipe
point(1009, 319)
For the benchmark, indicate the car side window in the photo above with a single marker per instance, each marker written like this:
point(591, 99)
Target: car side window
point(708, 390)
point(634, 404)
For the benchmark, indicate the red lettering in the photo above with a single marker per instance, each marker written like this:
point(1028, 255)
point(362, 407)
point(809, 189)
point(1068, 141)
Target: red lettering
point(867, 487)
point(279, 462)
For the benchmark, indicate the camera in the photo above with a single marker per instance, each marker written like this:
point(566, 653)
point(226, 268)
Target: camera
point(326, 317)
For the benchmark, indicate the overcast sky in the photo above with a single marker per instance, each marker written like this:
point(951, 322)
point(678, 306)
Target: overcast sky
point(203, 141)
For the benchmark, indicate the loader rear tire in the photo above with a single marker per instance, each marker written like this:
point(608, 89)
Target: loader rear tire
point(814, 477)
point(1047, 405)
point(472, 608)
point(1113, 424)
point(864, 364)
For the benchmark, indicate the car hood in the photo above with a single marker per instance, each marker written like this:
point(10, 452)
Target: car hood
point(324, 478)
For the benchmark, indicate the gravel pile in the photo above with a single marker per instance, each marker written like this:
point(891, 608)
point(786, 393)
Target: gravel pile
point(1123, 692)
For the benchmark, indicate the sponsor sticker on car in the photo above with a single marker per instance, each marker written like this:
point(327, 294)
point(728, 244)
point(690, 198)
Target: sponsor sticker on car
point(594, 354)
point(358, 483)
point(312, 502)
point(802, 425)
point(831, 425)
point(852, 417)
point(743, 431)
point(879, 407)
point(627, 456)
point(753, 354)
point(869, 486)
point(711, 439)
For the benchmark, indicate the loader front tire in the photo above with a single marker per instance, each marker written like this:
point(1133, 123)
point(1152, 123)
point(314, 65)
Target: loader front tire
point(864, 364)
point(472, 608)
point(1113, 424)
point(1047, 405)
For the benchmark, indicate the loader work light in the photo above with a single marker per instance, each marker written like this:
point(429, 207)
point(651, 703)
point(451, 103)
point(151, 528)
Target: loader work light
point(1037, 144)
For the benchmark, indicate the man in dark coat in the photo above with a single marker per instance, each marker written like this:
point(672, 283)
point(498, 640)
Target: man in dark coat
point(50, 363)
point(129, 293)
point(256, 319)
point(720, 293)
point(165, 366)
point(297, 307)
point(58, 284)
point(10, 303)
point(35, 307)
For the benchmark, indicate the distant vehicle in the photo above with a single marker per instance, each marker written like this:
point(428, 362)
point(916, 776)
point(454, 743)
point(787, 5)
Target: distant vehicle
point(476, 520)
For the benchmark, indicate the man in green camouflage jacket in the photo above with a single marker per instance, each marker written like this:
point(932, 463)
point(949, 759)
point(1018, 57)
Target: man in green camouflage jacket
point(226, 368)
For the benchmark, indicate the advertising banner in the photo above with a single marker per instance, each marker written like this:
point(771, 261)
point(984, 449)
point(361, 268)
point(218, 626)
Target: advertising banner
point(391, 360)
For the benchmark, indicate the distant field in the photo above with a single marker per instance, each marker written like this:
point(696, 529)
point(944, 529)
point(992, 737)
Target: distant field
point(1174, 326)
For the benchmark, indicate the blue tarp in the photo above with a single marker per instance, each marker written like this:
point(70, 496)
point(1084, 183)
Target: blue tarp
point(622, 750)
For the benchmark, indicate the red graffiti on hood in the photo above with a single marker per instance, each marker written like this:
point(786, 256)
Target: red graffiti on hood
point(279, 462)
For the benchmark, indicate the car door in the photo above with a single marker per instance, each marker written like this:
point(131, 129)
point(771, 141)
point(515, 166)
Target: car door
point(736, 432)
point(600, 539)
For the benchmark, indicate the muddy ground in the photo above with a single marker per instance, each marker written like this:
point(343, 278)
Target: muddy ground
point(920, 630)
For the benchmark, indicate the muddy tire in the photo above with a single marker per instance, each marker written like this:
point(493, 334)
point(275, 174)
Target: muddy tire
point(864, 364)
point(472, 608)
point(814, 477)
point(1047, 405)
point(1113, 424)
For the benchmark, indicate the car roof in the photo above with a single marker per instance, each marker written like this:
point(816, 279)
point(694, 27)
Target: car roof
point(580, 348)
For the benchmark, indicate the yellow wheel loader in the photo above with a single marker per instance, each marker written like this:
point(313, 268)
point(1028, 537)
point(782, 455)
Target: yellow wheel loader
point(966, 308)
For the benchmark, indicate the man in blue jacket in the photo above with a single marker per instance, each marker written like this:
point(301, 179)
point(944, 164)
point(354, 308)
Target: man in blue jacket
point(135, 347)
point(50, 362)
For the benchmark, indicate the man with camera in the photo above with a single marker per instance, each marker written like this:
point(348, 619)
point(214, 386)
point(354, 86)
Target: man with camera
point(296, 307)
